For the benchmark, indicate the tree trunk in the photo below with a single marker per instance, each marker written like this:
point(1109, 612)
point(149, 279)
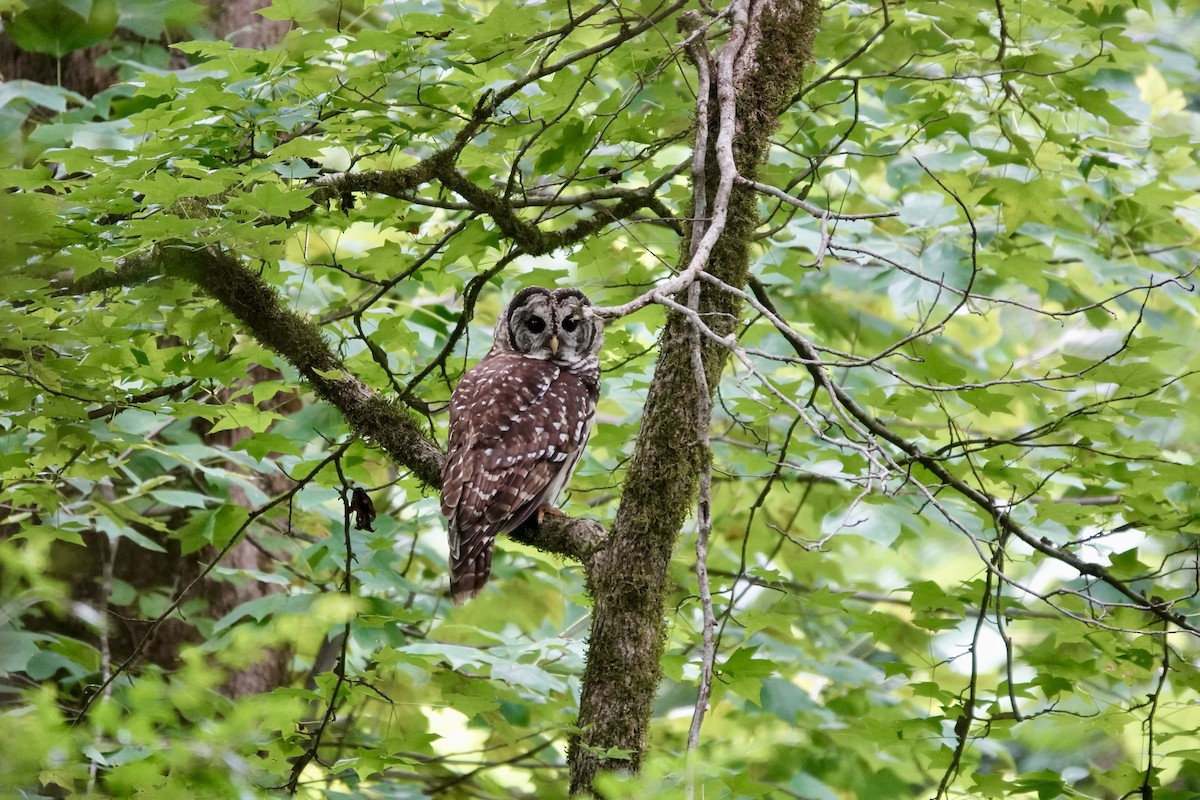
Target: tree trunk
point(759, 67)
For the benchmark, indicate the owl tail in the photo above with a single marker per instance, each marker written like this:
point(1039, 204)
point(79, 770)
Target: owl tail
point(469, 573)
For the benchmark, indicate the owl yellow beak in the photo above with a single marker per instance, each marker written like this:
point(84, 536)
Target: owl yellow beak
point(554, 345)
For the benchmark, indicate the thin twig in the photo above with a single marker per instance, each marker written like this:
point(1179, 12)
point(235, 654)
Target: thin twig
point(109, 555)
point(124, 666)
point(727, 173)
point(804, 205)
point(339, 668)
point(703, 530)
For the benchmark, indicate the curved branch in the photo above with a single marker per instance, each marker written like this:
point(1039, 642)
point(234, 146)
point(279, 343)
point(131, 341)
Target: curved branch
point(257, 306)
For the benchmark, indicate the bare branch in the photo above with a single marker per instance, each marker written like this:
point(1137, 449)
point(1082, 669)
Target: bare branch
point(339, 668)
point(819, 213)
point(703, 530)
point(714, 226)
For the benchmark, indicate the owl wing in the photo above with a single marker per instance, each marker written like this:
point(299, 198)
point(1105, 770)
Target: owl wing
point(517, 427)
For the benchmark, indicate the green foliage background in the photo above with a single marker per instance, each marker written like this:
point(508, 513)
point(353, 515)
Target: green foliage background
point(1028, 319)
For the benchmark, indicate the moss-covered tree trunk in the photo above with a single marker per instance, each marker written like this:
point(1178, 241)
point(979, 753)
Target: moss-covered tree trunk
point(764, 55)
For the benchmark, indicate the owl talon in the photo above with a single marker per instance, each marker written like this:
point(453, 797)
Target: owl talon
point(548, 511)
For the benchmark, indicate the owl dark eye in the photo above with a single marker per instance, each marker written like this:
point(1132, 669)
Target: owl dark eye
point(535, 324)
point(570, 324)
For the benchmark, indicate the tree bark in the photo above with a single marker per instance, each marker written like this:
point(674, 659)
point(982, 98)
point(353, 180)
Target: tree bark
point(760, 67)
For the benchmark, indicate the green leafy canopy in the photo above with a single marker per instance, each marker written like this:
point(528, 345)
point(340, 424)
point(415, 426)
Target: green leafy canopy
point(962, 563)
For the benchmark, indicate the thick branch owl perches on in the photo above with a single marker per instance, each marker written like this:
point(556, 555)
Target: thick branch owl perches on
point(519, 420)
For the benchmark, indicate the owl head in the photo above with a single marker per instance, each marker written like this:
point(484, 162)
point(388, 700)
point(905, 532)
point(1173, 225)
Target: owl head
point(550, 324)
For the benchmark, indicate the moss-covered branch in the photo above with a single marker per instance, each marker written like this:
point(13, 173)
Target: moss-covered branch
point(257, 307)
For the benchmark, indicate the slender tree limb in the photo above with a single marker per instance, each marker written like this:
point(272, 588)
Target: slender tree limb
point(1001, 35)
point(703, 530)
point(699, 56)
point(706, 231)
point(808, 207)
point(1146, 790)
point(339, 667)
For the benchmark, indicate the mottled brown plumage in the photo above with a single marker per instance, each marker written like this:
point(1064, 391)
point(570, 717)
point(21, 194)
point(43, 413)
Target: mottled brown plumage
point(519, 420)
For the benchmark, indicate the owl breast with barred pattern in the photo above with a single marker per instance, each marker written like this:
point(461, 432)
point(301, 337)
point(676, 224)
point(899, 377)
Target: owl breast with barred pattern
point(519, 420)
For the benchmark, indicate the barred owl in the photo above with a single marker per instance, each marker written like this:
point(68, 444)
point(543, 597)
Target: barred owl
point(519, 420)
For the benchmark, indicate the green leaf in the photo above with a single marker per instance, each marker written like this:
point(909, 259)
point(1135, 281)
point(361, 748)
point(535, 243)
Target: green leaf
point(17, 649)
point(297, 10)
point(271, 200)
point(744, 674)
point(59, 27)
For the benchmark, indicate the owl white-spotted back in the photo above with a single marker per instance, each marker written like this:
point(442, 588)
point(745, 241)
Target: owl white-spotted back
point(519, 420)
